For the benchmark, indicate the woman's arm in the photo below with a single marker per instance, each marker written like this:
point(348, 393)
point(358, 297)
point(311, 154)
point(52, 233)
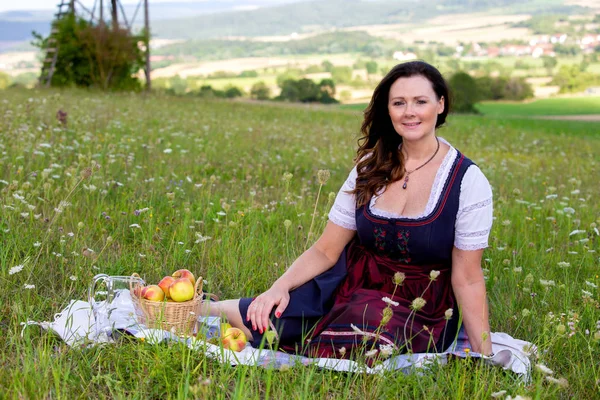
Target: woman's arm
point(469, 288)
point(321, 256)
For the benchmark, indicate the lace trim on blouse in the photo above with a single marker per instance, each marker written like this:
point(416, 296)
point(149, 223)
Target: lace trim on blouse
point(343, 224)
point(438, 185)
point(343, 211)
point(471, 246)
point(484, 232)
point(476, 206)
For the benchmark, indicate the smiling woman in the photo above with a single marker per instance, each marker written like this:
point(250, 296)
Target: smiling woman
point(398, 266)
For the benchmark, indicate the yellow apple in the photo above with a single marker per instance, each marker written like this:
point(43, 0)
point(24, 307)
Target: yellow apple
point(184, 273)
point(224, 327)
point(165, 283)
point(181, 289)
point(153, 293)
point(234, 339)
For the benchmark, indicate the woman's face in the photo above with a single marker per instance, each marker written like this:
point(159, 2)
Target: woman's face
point(413, 107)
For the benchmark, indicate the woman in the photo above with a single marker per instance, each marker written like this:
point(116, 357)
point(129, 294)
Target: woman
point(406, 233)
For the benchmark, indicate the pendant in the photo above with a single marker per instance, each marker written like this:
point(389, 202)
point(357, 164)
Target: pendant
point(405, 182)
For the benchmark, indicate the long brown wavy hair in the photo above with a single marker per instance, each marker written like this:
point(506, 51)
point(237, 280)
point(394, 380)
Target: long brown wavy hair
point(378, 160)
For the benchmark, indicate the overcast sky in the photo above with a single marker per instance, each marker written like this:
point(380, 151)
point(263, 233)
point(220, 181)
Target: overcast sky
point(7, 5)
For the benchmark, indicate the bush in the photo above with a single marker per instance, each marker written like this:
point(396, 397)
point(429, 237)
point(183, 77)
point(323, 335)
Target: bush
point(307, 91)
point(464, 92)
point(260, 91)
point(503, 88)
point(248, 74)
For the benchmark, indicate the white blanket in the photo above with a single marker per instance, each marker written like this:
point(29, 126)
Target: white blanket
point(76, 325)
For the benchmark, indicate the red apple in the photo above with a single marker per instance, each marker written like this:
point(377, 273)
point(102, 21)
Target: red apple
point(181, 289)
point(153, 293)
point(234, 339)
point(184, 273)
point(165, 283)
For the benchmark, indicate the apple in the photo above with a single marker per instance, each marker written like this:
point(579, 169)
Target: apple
point(165, 283)
point(234, 339)
point(224, 327)
point(181, 289)
point(153, 293)
point(184, 273)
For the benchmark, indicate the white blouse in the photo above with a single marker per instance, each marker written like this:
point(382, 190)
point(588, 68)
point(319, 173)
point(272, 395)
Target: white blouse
point(475, 209)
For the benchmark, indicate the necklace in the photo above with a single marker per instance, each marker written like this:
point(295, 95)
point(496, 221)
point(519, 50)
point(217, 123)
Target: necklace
point(422, 165)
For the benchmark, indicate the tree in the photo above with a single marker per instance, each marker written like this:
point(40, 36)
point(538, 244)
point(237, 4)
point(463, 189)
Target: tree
point(464, 92)
point(371, 67)
point(327, 65)
point(260, 91)
point(549, 63)
point(232, 92)
point(94, 55)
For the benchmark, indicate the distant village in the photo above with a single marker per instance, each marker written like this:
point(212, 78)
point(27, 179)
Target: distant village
point(543, 45)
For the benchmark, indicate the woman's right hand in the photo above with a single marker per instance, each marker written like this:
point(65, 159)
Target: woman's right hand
point(262, 305)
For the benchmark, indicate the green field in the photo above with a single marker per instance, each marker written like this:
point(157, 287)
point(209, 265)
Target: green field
point(543, 107)
point(216, 169)
point(537, 108)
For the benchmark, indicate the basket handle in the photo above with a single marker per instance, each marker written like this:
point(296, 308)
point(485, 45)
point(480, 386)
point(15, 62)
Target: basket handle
point(131, 286)
point(198, 287)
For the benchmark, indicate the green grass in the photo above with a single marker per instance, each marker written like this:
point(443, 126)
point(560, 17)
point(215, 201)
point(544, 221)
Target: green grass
point(537, 108)
point(543, 107)
point(232, 156)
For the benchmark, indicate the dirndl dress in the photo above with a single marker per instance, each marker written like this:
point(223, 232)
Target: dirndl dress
point(340, 311)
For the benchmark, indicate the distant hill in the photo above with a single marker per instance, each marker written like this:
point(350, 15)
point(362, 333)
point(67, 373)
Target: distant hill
point(227, 18)
point(16, 26)
point(319, 15)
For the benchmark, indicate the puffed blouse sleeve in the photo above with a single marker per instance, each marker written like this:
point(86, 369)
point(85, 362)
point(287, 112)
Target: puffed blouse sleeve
point(343, 211)
point(475, 211)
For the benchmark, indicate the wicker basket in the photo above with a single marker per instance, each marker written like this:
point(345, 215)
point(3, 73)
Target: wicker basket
point(176, 317)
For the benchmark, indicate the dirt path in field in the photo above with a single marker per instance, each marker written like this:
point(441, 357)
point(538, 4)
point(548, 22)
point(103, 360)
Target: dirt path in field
point(589, 118)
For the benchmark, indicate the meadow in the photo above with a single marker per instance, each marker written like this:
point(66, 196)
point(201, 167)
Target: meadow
point(126, 183)
point(542, 107)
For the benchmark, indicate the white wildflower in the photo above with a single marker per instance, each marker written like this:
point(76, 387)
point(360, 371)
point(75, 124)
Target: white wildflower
point(167, 151)
point(37, 244)
point(356, 329)
point(28, 286)
point(386, 350)
point(135, 226)
point(564, 264)
point(543, 369)
point(560, 381)
point(391, 302)
point(15, 270)
point(371, 353)
point(497, 395)
point(73, 278)
point(569, 210)
point(591, 284)
point(576, 231)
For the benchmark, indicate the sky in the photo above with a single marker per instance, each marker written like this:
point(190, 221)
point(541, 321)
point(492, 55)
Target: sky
point(9, 5)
